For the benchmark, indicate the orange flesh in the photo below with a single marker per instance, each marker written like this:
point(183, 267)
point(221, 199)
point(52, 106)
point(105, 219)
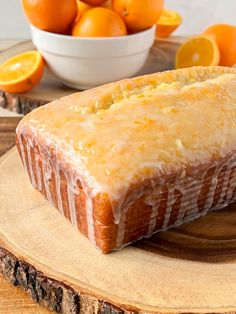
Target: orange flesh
point(21, 72)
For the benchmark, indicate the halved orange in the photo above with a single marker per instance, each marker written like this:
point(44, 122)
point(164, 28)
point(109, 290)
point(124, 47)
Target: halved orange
point(196, 51)
point(168, 22)
point(22, 72)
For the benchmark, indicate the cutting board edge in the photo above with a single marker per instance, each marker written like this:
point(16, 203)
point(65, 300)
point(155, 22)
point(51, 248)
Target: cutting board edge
point(75, 299)
point(34, 279)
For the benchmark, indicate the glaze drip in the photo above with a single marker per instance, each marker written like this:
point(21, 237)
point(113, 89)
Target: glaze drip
point(138, 133)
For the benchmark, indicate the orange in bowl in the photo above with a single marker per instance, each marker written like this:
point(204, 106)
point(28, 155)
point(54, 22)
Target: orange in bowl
point(82, 7)
point(107, 4)
point(197, 51)
point(22, 72)
point(99, 22)
point(168, 23)
point(52, 16)
point(138, 14)
point(225, 37)
point(94, 2)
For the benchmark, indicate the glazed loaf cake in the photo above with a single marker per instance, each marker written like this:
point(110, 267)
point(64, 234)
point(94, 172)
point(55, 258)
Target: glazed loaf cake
point(131, 158)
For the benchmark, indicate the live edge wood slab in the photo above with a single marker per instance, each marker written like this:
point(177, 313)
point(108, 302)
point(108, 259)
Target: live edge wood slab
point(191, 269)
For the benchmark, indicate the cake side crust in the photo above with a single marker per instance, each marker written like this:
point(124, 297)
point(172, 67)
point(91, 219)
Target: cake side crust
point(155, 200)
point(150, 207)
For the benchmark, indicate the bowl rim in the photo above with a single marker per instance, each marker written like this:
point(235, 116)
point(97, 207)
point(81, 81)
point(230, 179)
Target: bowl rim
point(112, 38)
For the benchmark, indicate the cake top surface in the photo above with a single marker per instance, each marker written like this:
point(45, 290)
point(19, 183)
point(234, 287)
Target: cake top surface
point(130, 130)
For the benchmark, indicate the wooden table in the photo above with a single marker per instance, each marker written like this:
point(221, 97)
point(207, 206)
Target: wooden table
point(12, 299)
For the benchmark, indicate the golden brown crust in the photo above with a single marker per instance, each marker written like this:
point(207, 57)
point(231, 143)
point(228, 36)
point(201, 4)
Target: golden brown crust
point(137, 218)
point(151, 204)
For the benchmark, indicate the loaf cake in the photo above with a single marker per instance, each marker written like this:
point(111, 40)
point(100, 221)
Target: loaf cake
point(131, 158)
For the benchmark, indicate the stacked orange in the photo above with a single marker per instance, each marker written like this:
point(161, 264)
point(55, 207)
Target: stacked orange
point(86, 18)
point(104, 18)
point(93, 18)
point(117, 17)
point(52, 16)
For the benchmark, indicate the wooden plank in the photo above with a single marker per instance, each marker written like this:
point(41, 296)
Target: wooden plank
point(8, 43)
point(7, 132)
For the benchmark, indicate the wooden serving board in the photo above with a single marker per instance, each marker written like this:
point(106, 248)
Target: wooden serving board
point(190, 269)
point(161, 58)
point(7, 132)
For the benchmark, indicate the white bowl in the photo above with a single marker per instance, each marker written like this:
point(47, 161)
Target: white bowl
point(83, 62)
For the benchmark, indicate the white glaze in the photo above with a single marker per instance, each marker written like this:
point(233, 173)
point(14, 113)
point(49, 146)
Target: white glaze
point(58, 189)
point(170, 203)
point(38, 173)
point(224, 189)
point(46, 169)
point(22, 151)
point(232, 186)
point(28, 148)
point(211, 192)
point(94, 141)
point(188, 197)
point(90, 220)
point(121, 229)
point(168, 124)
point(154, 201)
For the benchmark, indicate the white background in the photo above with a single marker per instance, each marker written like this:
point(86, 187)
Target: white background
point(197, 15)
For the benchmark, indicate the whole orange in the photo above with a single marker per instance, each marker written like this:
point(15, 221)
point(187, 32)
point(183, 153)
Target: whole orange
point(138, 14)
point(107, 4)
point(225, 37)
point(99, 22)
point(82, 7)
point(94, 2)
point(49, 15)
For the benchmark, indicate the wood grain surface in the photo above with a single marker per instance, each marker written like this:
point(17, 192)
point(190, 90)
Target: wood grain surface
point(7, 132)
point(12, 299)
point(161, 57)
point(190, 269)
point(15, 300)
